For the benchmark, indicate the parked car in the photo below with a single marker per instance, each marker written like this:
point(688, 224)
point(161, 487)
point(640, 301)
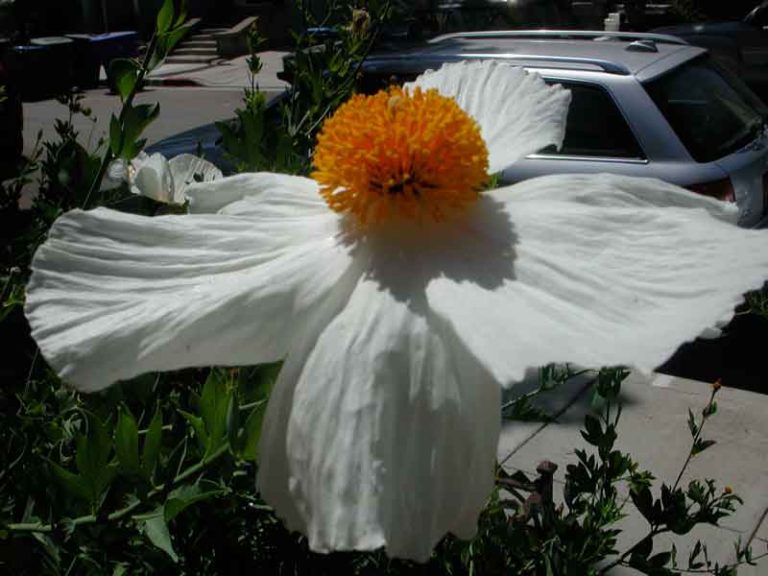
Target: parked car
point(741, 45)
point(11, 121)
point(642, 105)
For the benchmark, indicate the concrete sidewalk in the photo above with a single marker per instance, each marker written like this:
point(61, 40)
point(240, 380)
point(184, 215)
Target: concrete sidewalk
point(654, 431)
point(222, 73)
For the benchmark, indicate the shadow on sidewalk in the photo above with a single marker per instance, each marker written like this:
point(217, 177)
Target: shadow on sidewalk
point(739, 357)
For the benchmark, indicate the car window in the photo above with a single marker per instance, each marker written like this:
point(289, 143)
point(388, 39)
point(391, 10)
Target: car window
point(595, 127)
point(712, 113)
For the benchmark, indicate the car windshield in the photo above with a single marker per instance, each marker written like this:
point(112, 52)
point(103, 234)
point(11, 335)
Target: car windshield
point(713, 113)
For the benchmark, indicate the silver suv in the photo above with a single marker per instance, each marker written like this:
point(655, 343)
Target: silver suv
point(642, 105)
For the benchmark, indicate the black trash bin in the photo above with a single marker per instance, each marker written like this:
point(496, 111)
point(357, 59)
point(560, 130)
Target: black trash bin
point(86, 61)
point(116, 45)
point(43, 68)
point(94, 50)
point(11, 117)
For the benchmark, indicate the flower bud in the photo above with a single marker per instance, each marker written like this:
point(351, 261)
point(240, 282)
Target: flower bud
point(361, 23)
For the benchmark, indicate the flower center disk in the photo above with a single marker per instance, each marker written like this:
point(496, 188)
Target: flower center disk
point(398, 155)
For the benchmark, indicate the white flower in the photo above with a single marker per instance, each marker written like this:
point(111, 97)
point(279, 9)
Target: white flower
point(383, 425)
point(162, 180)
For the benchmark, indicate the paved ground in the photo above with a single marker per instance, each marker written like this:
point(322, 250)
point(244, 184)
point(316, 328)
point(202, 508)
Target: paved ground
point(189, 96)
point(224, 73)
point(180, 110)
point(653, 430)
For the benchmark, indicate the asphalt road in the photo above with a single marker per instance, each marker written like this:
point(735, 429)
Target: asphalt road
point(181, 109)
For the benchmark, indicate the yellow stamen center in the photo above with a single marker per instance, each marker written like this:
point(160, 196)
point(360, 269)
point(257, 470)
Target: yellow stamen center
point(399, 155)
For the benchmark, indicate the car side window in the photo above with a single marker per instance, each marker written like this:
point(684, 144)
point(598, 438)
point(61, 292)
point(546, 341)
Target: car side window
point(595, 127)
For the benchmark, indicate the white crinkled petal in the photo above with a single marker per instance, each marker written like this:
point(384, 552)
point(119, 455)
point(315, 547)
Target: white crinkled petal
point(114, 295)
point(210, 197)
point(602, 270)
point(187, 169)
point(518, 113)
point(152, 178)
point(381, 430)
point(117, 171)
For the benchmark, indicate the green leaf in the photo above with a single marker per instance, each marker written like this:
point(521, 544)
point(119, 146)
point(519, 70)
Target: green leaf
point(124, 72)
point(186, 496)
point(214, 390)
point(660, 560)
point(693, 556)
point(594, 430)
point(156, 530)
point(127, 441)
point(692, 426)
point(72, 483)
point(233, 427)
point(215, 402)
point(93, 448)
point(152, 442)
point(165, 43)
point(92, 458)
point(198, 425)
point(255, 419)
point(643, 501)
point(608, 439)
point(115, 136)
point(135, 120)
point(165, 17)
point(181, 17)
point(252, 427)
point(696, 492)
point(174, 36)
point(548, 566)
point(701, 445)
point(639, 557)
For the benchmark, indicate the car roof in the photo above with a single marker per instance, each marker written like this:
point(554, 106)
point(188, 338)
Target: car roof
point(644, 56)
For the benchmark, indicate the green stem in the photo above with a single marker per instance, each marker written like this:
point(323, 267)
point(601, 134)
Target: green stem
point(654, 532)
point(123, 512)
point(522, 398)
point(108, 157)
point(200, 466)
point(695, 440)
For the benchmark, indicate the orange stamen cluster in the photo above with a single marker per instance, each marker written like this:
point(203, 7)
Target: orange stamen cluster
point(400, 155)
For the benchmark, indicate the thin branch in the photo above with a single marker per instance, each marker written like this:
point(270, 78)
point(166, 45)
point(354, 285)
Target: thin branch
point(108, 157)
point(695, 440)
point(620, 560)
point(123, 512)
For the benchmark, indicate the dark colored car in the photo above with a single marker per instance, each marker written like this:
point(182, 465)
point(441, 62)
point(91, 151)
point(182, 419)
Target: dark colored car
point(11, 121)
point(740, 45)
